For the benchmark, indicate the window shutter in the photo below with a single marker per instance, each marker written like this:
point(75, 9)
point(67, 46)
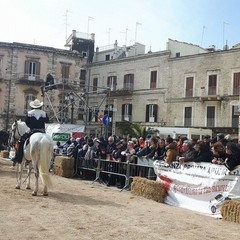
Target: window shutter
point(155, 112)
point(125, 79)
point(236, 83)
point(115, 80)
point(123, 107)
point(132, 79)
point(26, 69)
point(130, 109)
point(147, 113)
point(38, 64)
point(90, 115)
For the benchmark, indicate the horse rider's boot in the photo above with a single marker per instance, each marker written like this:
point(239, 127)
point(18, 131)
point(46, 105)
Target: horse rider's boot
point(14, 160)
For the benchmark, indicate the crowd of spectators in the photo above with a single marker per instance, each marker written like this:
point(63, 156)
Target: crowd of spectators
point(218, 150)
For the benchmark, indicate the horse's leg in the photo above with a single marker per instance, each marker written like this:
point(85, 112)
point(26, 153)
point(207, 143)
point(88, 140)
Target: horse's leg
point(28, 186)
point(35, 167)
point(19, 175)
point(45, 191)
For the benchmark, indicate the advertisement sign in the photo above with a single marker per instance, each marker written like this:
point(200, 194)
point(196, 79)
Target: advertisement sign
point(201, 187)
point(62, 132)
point(61, 137)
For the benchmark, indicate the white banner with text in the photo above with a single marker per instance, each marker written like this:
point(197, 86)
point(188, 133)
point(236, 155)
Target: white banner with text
point(201, 187)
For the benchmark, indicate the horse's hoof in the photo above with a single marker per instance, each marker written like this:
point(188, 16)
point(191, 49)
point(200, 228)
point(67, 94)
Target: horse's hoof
point(45, 194)
point(28, 188)
point(17, 187)
point(34, 193)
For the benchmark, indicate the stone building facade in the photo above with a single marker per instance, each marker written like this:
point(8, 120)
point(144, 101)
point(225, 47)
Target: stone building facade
point(26, 71)
point(184, 86)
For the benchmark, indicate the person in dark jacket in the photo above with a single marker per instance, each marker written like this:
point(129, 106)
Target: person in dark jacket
point(219, 153)
point(204, 153)
point(161, 150)
point(35, 120)
point(188, 154)
point(233, 158)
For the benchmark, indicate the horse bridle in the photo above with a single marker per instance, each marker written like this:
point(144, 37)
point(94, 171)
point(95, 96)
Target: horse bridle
point(14, 130)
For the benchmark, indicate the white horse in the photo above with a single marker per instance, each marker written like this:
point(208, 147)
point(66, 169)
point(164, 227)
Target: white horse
point(39, 151)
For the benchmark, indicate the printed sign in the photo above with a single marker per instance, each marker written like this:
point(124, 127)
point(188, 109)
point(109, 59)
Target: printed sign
point(61, 136)
point(200, 187)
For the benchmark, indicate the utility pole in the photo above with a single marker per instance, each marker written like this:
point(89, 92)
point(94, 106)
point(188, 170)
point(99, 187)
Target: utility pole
point(89, 19)
point(224, 23)
point(202, 35)
point(66, 24)
point(109, 31)
point(125, 36)
point(137, 24)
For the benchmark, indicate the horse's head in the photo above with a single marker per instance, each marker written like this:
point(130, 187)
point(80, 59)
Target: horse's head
point(18, 128)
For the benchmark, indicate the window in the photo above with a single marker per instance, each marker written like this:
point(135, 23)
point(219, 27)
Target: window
point(189, 87)
point(235, 116)
point(107, 57)
point(210, 116)
point(127, 112)
point(151, 112)
point(109, 110)
point(32, 70)
point(81, 110)
point(128, 82)
point(93, 114)
point(65, 72)
point(178, 54)
point(236, 83)
point(153, 80)
point(82, 78)
point(188, 117)
point(28, 98)
point(212, 84)
point(95, 84)
point(112, 83)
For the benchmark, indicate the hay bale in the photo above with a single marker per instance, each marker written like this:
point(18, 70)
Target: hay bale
point(4, 154)
point(230, 211)
point(64, 166)
point(148, 189)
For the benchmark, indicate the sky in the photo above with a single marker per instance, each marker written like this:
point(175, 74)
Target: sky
point(149, 22)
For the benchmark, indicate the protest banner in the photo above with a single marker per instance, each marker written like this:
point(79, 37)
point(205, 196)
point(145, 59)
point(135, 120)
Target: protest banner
point(201, 187)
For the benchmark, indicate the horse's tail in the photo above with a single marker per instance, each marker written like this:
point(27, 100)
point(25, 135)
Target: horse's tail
point(46, 155)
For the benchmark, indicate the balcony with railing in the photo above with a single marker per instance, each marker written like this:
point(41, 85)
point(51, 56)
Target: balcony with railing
point(126, 90)
point(30, 79)
point(126, 118)
point(210, 93)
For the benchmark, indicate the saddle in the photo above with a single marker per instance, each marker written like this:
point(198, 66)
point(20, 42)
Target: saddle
point(28, 135)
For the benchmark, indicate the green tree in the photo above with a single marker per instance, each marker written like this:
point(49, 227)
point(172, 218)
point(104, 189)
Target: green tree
point(134, 129)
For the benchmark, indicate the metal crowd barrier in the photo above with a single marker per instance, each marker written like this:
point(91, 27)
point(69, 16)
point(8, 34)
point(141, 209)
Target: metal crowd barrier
point(142, 168)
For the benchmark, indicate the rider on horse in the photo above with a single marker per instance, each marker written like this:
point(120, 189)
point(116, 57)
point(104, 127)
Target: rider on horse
point(35, 120)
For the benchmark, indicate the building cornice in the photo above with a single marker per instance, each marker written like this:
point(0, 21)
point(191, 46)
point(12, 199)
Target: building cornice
point(24, 46)
point(129, 59)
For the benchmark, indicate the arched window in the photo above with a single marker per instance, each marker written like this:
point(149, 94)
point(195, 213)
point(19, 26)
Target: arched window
point(27, 99)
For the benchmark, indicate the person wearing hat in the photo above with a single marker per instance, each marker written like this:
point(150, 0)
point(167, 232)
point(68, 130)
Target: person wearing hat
point(35, 120)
